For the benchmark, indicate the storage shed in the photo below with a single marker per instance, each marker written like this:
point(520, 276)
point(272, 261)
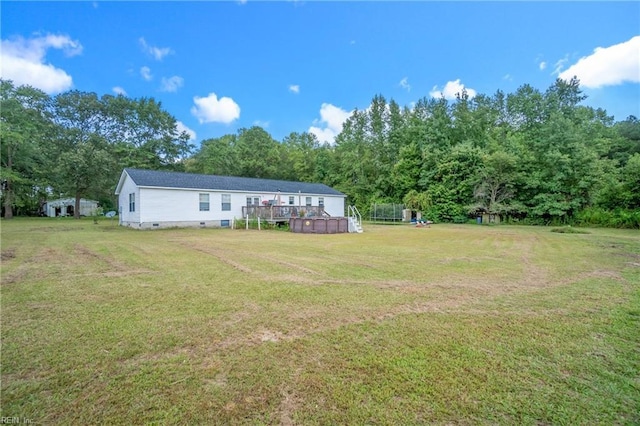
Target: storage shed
point(66, 207)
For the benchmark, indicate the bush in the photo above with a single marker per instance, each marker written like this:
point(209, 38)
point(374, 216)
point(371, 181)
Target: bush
point(569, 230)
point(618, 218)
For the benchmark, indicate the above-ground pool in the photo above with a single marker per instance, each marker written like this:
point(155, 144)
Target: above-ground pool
point(319, 225)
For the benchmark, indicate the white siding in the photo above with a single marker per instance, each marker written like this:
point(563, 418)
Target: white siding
point(161, 207)
point(180, 205)
point(332, 205)
point(127, 217)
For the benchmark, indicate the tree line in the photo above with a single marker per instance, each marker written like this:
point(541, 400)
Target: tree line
point(530, 156)
point(75, 145)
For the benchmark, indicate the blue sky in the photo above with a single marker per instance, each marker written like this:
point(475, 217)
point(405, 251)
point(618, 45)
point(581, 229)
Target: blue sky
point(303, 66)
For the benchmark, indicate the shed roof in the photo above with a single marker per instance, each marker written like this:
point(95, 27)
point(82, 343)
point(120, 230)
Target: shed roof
point(68, 201)
point(162, 179)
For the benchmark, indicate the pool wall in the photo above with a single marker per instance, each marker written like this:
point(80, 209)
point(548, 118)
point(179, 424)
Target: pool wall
point(319, 225)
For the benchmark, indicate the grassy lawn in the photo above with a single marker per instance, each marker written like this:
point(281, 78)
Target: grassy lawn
point(453, 324)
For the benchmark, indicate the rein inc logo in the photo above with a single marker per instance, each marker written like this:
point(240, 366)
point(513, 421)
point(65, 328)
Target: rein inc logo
point(15, 421)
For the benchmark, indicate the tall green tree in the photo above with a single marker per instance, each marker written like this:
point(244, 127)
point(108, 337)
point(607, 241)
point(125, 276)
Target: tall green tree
point(627, 142)
point(631, 182)
point(564, 154)
point(355, 161)
point(452, 185)
point(84, 162)
point(406, 171)
point(300, 152)
point(494, 188)
point(258, 154)
point(144, 135)
point(217, 156)
point(24, 126)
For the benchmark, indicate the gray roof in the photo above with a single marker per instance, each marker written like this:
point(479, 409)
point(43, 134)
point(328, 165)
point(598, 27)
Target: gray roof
point(154, 178)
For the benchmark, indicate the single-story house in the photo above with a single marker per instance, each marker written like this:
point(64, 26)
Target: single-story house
point(156, 199)
point(66, 207)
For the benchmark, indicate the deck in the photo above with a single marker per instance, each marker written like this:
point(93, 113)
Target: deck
point(282, 214)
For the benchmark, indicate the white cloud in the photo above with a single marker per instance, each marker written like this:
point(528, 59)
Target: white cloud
point(23, 61)
point(171, 84)
point(145, 72)
point(210, 109)
point(542, 65)
point(557, 67)
point(451, 89)
point(182, 128)
point(158, 53)
point(331, 118)
point(294, 88)
point(404, 83)
point(119, 91)
point(508, 77)
point(608, 66)
point(263, 124)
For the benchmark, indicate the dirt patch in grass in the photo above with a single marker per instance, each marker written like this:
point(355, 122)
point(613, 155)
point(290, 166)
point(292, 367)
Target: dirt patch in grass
point(17, 275)
point(88, 254)
point(55, 229)
point(269, 336)
point(454, 296)
point(288, 407)
point(295, 266)
point(614, 275)
point(218, 254)
point(31, 268)
point(79, 261)
point(7, 254)
point(116, 274)
point(106, 265)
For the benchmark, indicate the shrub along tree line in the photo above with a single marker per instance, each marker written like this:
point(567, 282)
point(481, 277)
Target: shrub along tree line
point(532, 156)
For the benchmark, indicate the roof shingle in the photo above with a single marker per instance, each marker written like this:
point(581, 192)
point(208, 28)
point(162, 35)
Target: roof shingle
point(162, 179)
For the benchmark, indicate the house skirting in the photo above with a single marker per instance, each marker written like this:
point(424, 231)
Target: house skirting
point(180, 224)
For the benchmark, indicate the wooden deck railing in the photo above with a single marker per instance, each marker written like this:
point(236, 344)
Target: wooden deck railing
point(279, 213)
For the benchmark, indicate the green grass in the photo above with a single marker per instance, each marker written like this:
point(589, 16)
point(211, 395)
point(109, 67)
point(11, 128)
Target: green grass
point(452, 324)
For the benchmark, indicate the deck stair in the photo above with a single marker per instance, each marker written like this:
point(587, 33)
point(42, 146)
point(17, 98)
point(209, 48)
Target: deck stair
point(355, 220)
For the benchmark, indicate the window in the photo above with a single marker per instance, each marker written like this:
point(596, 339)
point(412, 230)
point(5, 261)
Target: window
point(256, 201)
point(132, 202)
point(308, 201)
point(224, 223)
point(204, 202)
point(248, 201)
point(292, 200)
point(226, 202)
point(321, 202)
